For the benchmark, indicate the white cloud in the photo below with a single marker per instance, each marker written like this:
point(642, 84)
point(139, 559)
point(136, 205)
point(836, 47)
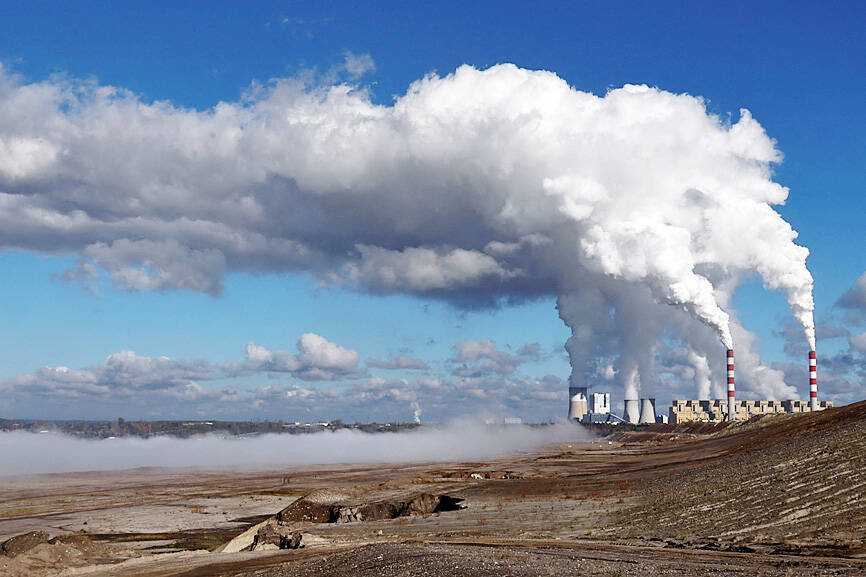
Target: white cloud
point(479, 187)
point(471, 350)
point(858, 342)
point(318, 359)
point(482, 358)
point(855, 298)
point(25, 158)
point(317, 351)
point(136, 386)
point(399, 362)
point(357, 65)
point(421, 269)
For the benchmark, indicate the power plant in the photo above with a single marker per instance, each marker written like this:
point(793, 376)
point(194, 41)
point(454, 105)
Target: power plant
point(596, 408)
point(684, 411)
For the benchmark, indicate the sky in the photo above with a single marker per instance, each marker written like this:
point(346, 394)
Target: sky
point(329, 210)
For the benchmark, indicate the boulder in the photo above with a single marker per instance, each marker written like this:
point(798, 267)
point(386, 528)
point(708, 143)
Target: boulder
point(275, 537)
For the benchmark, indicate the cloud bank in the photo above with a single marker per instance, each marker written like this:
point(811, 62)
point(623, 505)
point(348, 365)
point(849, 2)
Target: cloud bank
point(29, 453)
point(478, 187)
point(323, 380)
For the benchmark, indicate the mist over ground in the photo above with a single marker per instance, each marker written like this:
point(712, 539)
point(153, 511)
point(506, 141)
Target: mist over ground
point(24, 453)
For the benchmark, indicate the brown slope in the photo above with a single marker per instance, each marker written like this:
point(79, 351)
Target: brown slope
point(800, 482)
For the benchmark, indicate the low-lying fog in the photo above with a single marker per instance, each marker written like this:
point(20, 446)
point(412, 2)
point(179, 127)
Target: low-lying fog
point(28, 453)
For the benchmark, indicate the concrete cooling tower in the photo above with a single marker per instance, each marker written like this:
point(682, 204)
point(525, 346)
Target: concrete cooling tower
point(577, 402)
point(647, 411)
point(632, 411)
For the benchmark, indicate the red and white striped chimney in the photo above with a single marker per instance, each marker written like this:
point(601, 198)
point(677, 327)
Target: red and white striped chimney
point(813, 381)
point(732, 403)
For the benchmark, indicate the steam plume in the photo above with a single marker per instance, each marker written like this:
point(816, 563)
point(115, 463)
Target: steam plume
point(479, 186)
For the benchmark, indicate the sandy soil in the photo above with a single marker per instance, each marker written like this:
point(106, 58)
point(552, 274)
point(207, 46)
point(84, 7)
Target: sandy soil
point(642, 505)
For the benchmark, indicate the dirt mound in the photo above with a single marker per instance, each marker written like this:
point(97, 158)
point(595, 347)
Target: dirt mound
point(792, 485)
point(53, 557)
point(23, 543)
point(314, 511)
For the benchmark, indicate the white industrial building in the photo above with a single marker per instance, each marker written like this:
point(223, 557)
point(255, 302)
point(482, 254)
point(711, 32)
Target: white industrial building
point(586, 407)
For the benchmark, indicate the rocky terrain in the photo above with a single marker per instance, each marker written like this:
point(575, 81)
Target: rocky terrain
point(782, 495)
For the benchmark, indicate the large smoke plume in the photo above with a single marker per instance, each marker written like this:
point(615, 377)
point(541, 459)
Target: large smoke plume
point(476, 187)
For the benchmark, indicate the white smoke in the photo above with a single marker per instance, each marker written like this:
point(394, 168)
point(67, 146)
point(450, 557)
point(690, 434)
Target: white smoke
point(478, 186)
point(23, 453)
point(702, 374)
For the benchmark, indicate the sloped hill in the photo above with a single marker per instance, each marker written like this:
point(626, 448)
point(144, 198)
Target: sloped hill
point(797, 483)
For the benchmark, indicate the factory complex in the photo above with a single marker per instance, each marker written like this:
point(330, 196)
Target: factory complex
point(595, 408)
point(683, 411)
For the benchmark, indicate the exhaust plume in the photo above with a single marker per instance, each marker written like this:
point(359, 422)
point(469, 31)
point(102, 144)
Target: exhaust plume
point(479, 187)
point(702, 374)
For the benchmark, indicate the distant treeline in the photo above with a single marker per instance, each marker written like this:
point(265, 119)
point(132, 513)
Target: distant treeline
point(146, 429)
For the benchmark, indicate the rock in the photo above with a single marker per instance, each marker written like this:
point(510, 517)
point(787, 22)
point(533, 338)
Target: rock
point(268, 537)
point(314, 512)
point(294, 541)
point(272, 537)
point(23, 543)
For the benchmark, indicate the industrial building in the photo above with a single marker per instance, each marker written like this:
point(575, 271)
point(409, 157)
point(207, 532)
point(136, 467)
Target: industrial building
point(588, 408)
point(687, 411)
point(683, 411)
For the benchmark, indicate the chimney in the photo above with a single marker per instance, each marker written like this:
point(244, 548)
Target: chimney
point(732, 402)
point(813, 381)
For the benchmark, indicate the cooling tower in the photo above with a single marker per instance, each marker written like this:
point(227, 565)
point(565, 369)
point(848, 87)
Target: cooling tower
point(632, 411)
point(576, 402)
point(732, 402)
point(813, 381)
point(647, 411)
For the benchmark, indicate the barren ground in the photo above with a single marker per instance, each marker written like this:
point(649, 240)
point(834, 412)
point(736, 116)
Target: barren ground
point(780, 496)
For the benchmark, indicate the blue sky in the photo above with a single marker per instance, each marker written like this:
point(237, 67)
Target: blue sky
point(797, 66)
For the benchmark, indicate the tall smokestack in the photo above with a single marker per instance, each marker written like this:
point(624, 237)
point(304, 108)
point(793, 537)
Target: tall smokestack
point(813, 380)
point(732, 402)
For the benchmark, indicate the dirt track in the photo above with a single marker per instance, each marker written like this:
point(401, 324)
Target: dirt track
point(648, 504)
